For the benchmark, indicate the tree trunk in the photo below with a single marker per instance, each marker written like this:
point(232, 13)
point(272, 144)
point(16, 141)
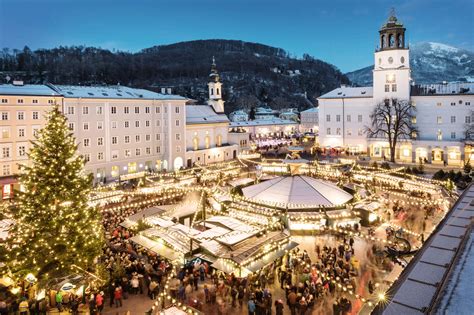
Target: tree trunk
point(392, 153)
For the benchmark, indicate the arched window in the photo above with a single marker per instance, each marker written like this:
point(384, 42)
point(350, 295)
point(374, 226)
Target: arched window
point(383, 41)
point(217, 91)
point(391, 40)
point(212, 91)
point(195, 143)
point(400, 40)
point(208, 142)
point(219, 140)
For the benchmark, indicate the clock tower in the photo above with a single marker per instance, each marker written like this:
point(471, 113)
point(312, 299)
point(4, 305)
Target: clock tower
point(215, 89)
point(391, 74)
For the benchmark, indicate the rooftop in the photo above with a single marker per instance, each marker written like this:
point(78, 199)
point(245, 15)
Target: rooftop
point(262, 122)
point(27, 89)
point(203, 114)
point(451, 88)
point(349, 92)
point(111, 91)
point(311, 110)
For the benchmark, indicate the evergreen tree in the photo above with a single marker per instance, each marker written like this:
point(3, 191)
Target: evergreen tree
point(55, 228)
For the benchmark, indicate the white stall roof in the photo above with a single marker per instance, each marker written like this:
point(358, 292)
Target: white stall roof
point(297, 190)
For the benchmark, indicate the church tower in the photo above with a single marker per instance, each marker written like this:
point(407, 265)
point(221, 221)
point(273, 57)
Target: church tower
point(215, 89)
point(391, 74)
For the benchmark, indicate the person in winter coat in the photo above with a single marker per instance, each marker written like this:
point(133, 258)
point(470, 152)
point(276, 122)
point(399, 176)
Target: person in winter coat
point(118, 297)
point(99, 302)
point(279, 307)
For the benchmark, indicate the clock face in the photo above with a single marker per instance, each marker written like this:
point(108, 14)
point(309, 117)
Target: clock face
point(402, 59)
point(390, 60)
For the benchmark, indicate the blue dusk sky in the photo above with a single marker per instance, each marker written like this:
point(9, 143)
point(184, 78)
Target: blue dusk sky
point(342, 32)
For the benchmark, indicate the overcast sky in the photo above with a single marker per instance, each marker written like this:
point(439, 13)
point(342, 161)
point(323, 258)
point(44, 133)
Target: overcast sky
point(342, 32)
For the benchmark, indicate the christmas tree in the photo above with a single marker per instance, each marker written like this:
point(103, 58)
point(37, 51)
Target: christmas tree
point(55, 229)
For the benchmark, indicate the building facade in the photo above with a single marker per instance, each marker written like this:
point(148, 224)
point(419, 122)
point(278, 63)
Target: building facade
point(309, 120)
point(442, 111)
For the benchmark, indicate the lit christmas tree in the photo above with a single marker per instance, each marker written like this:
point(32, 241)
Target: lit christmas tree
point(55, 228)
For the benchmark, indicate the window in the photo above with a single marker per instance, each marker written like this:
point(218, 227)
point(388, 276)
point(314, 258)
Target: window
point(21, 150)
point(100, 141)
point(207, 142)
point(349, 132)
point(328, 131)
point(147, 110)
point(5, 115)
point(157, 109)
point(114, 125)
point(394, 87)
point(50, 101)
point(5, 132)
point(338, 131)
point(147, 137)
point(195, 143)
point(413, 120)
point(147, 123)
point(137, 138)
point(439, 120)
point(115, 155)
point(126, 124)
point(467, 103)
point(359, 118)
point(114, 140)
point(127, 139)
point(6, 170)
point(158, 137)
point(158, 149)
point(440, 135)
point(85, 110)
point(453, 135)
point(21, 132)
point(128, 153)
point(70, 110)
point(177, 121)
point(178, 137)
point(85, 126)
point(387, 87)
point(87, 157)
point(157, 123)
point(98, 110)
point(5, 153)
point(176, 110)
point(148, 150)
point(20, 101)
point(71, 126)
point(113, 110)
point(35, 115)
point(100, 156)
point(137, 124)
point(360, 132)
point(100, 125)
point(328, 118)
point(35, 131)
point(137, 110)
point(178, 149)
point(137, 152)
point(453, 103)
point(126, 110)
point(468, 119)
point(20, 115)
point(453, 119)
point(338, 118)
point(86, 142)
point(439, 104)
point(348, 118)
point(4, 100)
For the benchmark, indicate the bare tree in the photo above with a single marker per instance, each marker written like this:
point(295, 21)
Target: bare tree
point(393, 121)
point(469, 127)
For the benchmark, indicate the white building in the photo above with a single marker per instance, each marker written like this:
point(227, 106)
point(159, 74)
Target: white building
point(309, 120)
point(207, 128)
point(263, 128)
point(239, 115)
point(262, 113)
point(442, 110)
point(289, 114)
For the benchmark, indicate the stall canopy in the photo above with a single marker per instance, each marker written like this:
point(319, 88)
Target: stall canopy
point(297, 190)
point(141, 215)
point(157, 247)
point(270, 258)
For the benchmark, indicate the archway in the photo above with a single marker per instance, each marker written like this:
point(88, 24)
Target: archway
point(178, 163)
point(165, 165)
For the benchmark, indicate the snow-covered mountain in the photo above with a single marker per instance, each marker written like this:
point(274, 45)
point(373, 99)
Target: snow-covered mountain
point(430, 63)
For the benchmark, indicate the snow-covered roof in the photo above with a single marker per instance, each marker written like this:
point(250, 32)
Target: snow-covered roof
point(112, 91)
point(443, 89)
point(27, 89)
point(262, 122)
point(297, 190)
point(203, 114)
point(311, 110)
point(349, 92)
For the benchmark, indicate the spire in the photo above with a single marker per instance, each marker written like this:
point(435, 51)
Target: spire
point(214, 75)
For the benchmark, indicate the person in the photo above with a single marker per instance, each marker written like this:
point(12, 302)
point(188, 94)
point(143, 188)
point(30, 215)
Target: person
point(3, 308)
point(99, 302)
point(292, 302)
point(23, 307)
point(233, 295)
point(59, 301)
point(74, 306)
point(240, 296)
point(251, 306)
point(279, 307)
point(118, 297)
point(152, 288)
point(303, 306)
point(371, 287)
point(135, 283)
point(92, 304)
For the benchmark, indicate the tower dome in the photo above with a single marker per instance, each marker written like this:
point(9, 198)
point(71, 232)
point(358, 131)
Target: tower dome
point(392, 33)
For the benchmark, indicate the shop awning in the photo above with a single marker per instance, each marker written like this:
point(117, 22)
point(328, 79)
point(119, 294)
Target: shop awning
point(8, 180)
point(228, 268)
point(133, 219)
point(270, 258)
point(157, 247)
